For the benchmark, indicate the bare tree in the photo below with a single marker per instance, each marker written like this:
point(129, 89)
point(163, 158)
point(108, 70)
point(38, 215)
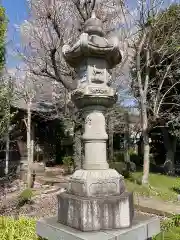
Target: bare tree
point(151, 68)
point(26, 89)
point(163, 103)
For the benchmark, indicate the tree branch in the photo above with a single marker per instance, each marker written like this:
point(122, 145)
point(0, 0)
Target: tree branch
point(160, 103)
point(138, 61)
point(54, 24)
point(80, 11)
point(57, 73)
point(159, 89)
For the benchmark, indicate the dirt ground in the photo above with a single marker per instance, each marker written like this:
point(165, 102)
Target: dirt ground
point(44, 201)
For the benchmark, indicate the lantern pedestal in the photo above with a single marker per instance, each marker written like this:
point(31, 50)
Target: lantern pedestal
point(143, 228)
point(96, 198)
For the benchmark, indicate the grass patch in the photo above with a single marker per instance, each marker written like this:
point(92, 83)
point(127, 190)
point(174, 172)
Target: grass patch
point(20, 229)
point(172, 234)
point(170, 229)
point(160, 186)
point(24, 229)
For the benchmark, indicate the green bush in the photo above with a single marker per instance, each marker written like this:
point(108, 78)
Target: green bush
point(20, 229)
point(124, 168)
point(121, 167)
point(68, 163)
point(135, 158)
point(25, 196)
point(119, 157)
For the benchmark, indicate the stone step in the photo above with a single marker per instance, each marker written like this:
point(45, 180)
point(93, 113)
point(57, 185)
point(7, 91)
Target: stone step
point(54, 171)
point(53, 181)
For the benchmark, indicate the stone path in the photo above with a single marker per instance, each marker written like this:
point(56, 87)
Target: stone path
point(154, 206)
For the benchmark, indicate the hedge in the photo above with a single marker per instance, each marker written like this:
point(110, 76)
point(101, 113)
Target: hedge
point(22, 228)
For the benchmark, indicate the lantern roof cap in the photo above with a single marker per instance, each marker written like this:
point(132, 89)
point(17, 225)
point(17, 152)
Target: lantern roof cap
point(94, 26)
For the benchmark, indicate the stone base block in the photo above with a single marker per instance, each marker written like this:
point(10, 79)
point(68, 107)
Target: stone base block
point(143, 228)
point(95, 213)
point(96, 183)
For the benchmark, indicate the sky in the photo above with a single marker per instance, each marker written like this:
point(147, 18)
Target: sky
point(16, 11)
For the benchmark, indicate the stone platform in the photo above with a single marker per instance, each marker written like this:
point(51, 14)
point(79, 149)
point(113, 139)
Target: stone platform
point(143, 228)
point(95, 213)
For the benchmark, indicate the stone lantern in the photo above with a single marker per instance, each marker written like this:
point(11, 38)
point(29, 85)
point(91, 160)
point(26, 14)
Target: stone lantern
point(96, 198)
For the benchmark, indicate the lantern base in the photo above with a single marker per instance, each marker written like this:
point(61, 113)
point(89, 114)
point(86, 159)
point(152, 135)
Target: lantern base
point(95, 213)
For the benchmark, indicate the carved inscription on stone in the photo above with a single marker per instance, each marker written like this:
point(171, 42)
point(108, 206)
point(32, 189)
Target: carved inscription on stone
point(98, 91)
point(97, 72)
point(97, 75)
point(102, 188)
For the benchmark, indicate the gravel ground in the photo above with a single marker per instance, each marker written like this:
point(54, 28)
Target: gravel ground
point(43, 205)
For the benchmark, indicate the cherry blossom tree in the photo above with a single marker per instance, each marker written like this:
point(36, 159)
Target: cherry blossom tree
point(53, 23)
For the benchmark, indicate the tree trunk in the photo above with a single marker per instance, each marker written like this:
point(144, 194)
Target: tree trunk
point(29, 147)
point(32, 152)
point(146, 147)
point(77, 149)
point(170, 143)
point(7, 153)
point(8, 134)
point(110, 139)
point(143, 83)
point(126, 138)
point(169, 162)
